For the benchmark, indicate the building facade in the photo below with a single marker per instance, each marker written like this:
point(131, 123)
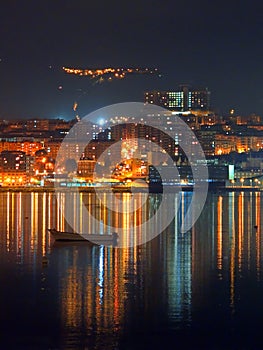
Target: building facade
point(182, 99)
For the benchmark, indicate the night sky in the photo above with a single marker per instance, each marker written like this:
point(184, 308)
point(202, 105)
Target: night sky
point(215, 44)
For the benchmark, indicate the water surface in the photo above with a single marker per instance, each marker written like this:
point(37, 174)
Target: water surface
point(199, 290)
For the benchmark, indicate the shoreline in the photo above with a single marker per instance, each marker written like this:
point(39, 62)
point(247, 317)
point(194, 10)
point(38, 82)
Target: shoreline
point(123, 190)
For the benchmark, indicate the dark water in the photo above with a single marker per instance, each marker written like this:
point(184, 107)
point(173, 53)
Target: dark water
point(198, 290)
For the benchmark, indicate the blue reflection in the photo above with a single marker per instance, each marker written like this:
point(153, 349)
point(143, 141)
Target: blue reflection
point(101, 273)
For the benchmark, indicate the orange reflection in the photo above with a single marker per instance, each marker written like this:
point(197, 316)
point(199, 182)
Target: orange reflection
point(232, 247)
point(258, 234)
point(219, 233)
point(240, 228)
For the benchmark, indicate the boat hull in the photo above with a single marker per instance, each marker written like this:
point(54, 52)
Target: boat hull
point(96, 239)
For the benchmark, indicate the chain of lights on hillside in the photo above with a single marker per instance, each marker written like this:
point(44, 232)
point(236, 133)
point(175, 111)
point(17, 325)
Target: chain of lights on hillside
point(109, 74)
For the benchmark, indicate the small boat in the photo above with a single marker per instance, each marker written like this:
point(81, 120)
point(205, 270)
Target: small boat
point(97, 239)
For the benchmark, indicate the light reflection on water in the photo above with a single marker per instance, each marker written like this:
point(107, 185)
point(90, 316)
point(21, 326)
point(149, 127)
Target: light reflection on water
point(203, 287)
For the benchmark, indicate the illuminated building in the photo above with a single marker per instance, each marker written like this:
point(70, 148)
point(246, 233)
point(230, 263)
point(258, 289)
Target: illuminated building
point(43, 164)
point(199, 99)
point(86, 167)
point(72, 150)
point(13, 168)
point(140, 139)
point(207, 141)
point(131, 169)
point(13, 178)
point(183, 99)
point(37, 124)
point(52, 148)
point(254, 119)
point(12, 160)
point(224, 144)
point(30, 165)
point(95, 149)
point(28, 147)
point(60, 124)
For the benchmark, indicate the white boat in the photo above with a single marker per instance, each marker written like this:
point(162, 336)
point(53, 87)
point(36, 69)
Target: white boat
point(97, 239)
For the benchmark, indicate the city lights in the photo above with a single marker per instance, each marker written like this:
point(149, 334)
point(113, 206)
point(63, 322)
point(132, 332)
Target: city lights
point(108, 73)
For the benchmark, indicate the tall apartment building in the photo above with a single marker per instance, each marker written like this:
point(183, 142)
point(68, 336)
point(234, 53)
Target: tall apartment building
point(183, 99)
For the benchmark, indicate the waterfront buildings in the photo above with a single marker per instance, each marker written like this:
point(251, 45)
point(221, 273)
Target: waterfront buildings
point(36, 142)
